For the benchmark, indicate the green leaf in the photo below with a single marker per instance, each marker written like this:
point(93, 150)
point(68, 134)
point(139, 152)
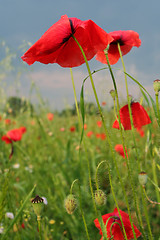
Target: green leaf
point(19, 212)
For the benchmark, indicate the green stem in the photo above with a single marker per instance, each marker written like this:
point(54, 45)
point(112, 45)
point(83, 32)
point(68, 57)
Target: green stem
point(132, 128)
point(157, 106)
point(75, 98)
point(146, 214)
point(155, 180)
point(97, 186)
point(106, 131)
point(126, 158)
point(80, 201)
point(153, 202)
point(85, 148)
point(39, 227)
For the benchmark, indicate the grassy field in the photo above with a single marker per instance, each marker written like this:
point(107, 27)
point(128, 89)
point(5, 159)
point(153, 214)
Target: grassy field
point(50, 156)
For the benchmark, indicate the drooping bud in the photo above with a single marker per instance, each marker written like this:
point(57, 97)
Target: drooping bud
point(100, 197)
point(70, 204)
point(113, 94)
point(38, 204)
point(156, 86)
point(142, 178)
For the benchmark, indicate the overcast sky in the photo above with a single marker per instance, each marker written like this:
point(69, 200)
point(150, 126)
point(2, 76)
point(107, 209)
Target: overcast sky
point(29, 19)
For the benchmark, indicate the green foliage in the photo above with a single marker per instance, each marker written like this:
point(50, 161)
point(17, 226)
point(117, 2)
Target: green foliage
point(16, 105)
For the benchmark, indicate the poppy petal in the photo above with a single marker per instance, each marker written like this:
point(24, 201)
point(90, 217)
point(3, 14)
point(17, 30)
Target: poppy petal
point(57, 45)
point(6, 139)
point(126, 39)
point(139, 115)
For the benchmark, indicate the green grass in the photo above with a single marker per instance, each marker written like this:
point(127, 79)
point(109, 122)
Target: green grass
point(51, 159)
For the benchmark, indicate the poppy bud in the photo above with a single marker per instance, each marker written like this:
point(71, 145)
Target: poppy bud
point(142, 178)
point(113, 94)
point(37, 205)
point(156, 86)
point(100, 197)
point(70, 204)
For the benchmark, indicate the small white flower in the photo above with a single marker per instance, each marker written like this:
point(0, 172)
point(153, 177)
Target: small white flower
point(16, 165)
point(9, 215)
point(45, 200)
point(1, 229)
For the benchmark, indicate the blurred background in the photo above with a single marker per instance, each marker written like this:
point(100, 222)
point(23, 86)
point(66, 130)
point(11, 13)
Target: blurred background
point(22, 23)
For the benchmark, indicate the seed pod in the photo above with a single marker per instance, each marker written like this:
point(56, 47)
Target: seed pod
point(100, 197)
point(70, 204)
point(37, 203)
point(142, 178)
point(156, 86)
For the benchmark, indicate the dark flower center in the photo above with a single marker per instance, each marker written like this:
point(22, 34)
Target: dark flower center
point(120, 41)
point(37, 199)
point(115, 218)
point(72, 32)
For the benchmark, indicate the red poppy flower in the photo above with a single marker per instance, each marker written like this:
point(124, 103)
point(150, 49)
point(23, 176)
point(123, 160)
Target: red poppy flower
point(7, 121)
point(99, 124)
point(50, 116)
point(98, 135)
point(140, 131)
point(103, 103)
point(72, 129)
point(126, 39)
point(89, 134)
point(116, 230)
point(139, 115)
point(103, 136)
point(119, 149)
point(57, 45)
point(85, 126)
point(13, 135)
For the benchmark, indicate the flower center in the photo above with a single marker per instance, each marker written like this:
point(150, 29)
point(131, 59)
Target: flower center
point(72, 32)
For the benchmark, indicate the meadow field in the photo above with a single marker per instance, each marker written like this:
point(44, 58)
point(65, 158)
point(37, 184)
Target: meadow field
point(88, 172)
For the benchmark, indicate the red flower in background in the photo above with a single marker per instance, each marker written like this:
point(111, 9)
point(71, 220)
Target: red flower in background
point(89, 134)
point(50, 116)
point(126, 39)
point(103, 136)
point(57, 45)
point(139, 115)
point(85, 126)
point(7, 121)
point(104, 103)
point(72, 129)
point(13, 135)
point(140, 131)
point(119, 149)
point(99, 124)
point(116, 230)
point(98, 135)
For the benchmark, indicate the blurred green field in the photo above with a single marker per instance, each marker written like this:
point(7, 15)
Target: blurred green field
point(50, 156)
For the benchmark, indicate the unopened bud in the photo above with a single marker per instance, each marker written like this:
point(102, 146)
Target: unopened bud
point(100, 197)
point(156, 85)
point(113, 94)
point(37, 203)
point(70, 204)
point(142, 178)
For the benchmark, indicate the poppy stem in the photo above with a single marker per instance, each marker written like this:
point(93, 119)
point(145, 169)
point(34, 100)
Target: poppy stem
point(108, 138)
point(97, 185)
point(85, 148)
point(153, 202)
point(80, 202)
point(126, 158)
point(75, 99)
point(157, 106)
point(132, 128)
